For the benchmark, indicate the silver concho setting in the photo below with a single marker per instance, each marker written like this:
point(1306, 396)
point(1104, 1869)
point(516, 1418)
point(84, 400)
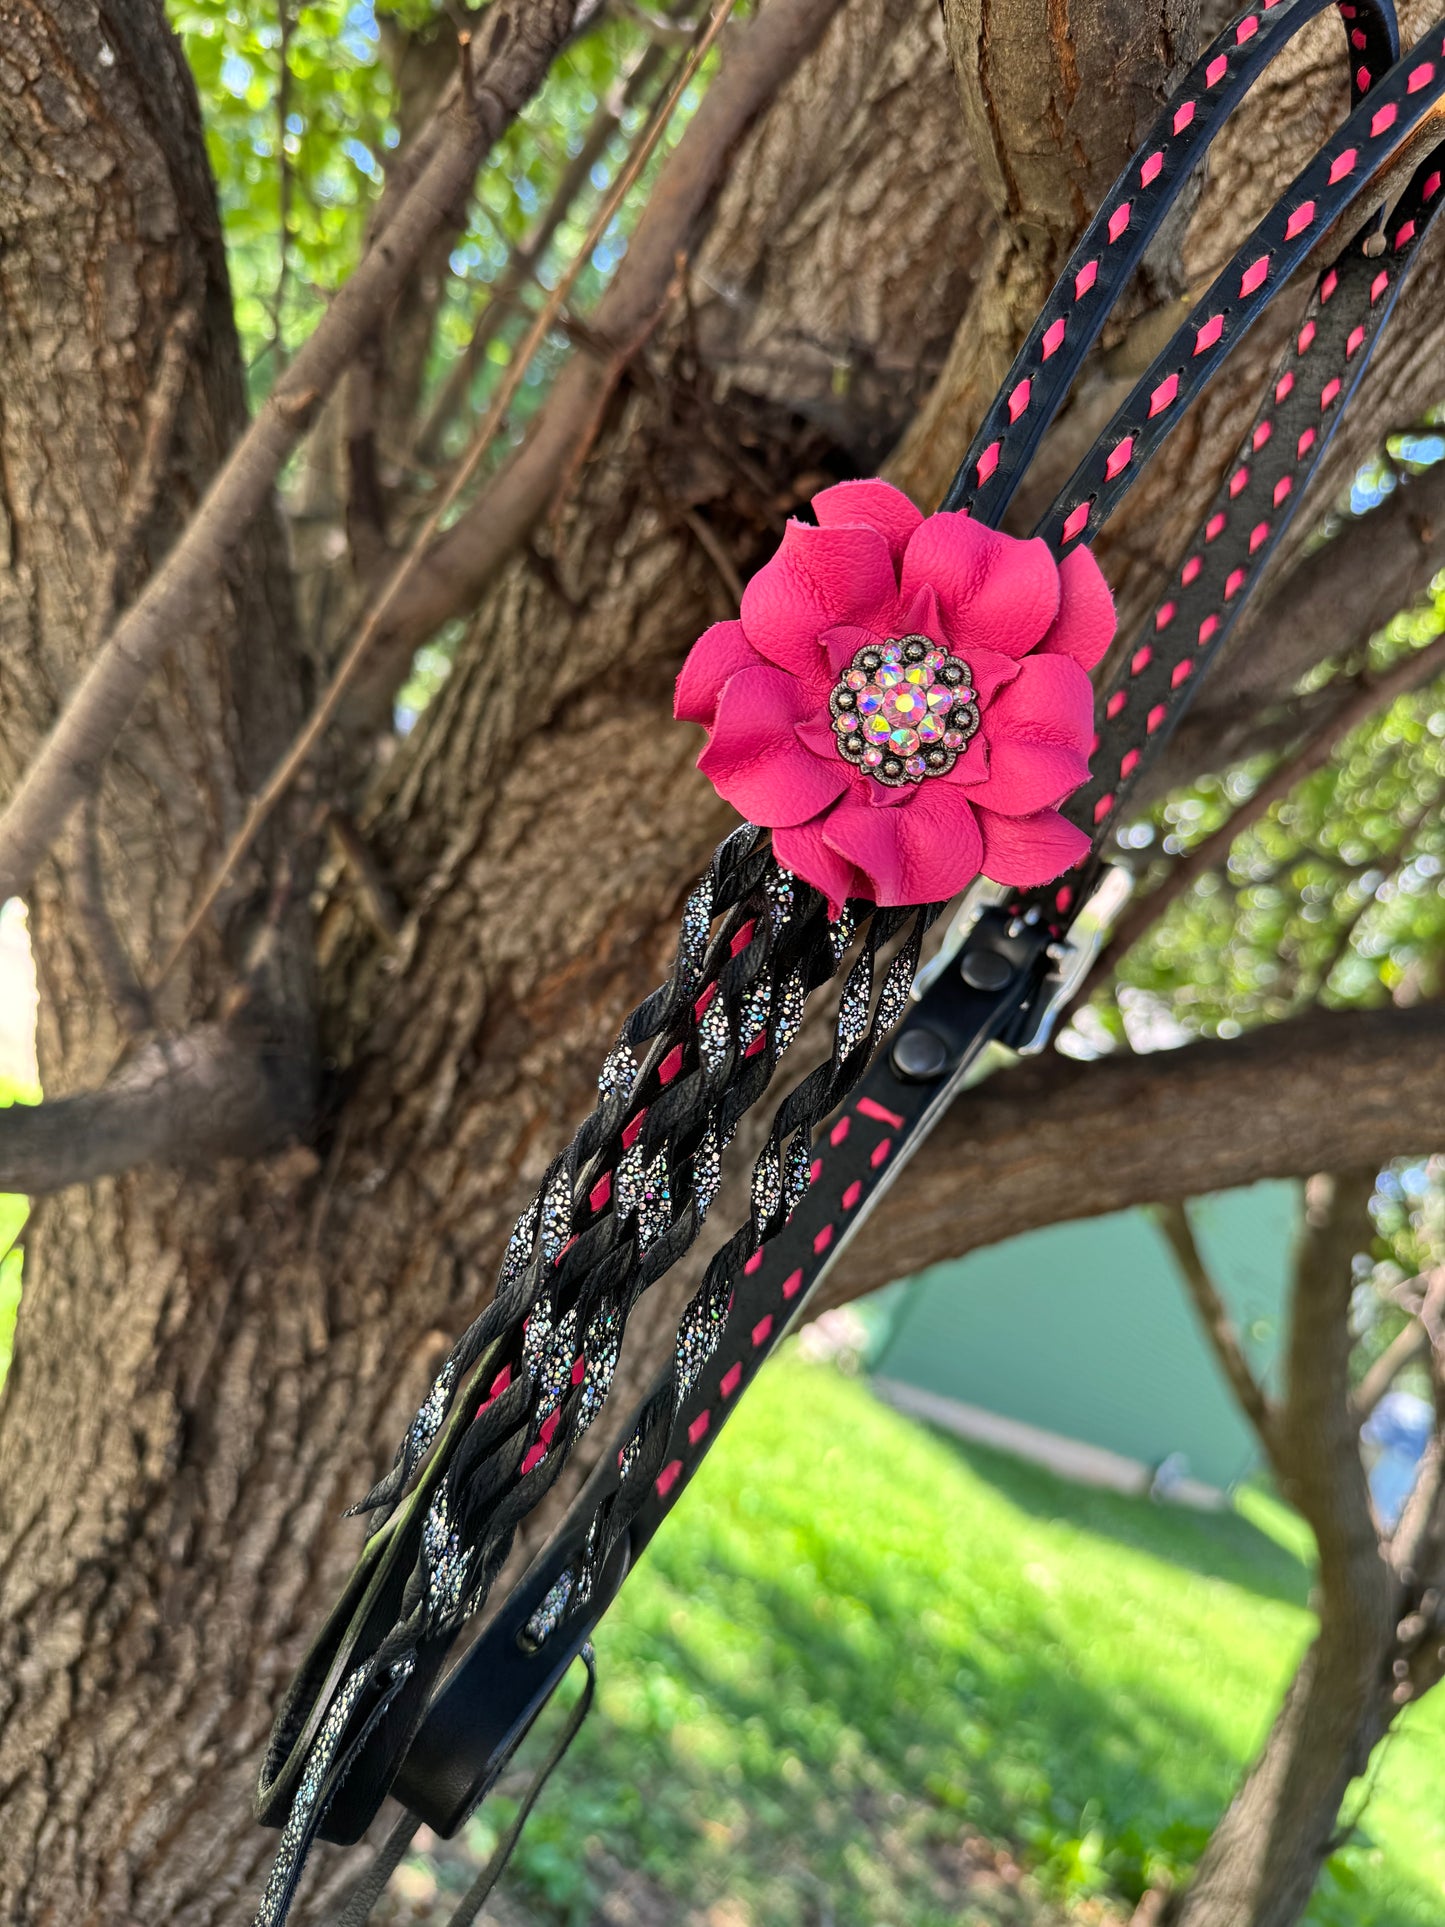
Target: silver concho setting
point(904, 710)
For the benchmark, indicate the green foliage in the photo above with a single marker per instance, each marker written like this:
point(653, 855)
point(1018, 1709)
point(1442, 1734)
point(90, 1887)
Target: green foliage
point(857, 1645)
point(347, 65)
point(1337, 896)
point(12, 1218)
point(339, 126)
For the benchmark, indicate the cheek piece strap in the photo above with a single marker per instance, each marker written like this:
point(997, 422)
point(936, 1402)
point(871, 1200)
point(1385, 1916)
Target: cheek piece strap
point(369, 1713)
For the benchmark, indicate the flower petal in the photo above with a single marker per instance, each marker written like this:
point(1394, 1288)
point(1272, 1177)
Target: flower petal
point(1086, 621)
point(1051, 700)
point(995, 591)
point(1026, 850)
point(817, 579)
point(754, 758)
point(923, 617)
point(871, 505)
point(929, 850)
point(991, 672)
point(718, 653)
point(815, 733)
point(803, 849)
point(842, 644)
point(1024, 777)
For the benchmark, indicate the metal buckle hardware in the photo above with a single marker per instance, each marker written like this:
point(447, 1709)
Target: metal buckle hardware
point(1073, 958)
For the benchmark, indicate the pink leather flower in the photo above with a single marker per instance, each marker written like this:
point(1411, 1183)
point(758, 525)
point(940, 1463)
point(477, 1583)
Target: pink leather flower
point(905, 700)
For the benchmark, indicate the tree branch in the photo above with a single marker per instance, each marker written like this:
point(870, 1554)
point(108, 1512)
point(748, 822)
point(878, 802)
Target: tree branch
point(187, 1100)
point(1055, 1139)
point(505, 292)
point(1219, 1327)
point(464, 560)
point(522, 38)
point(1317, 1437)
point(411, 564)
point(1405, 1346)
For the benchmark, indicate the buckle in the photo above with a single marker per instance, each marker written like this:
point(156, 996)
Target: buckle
point(1072, 958)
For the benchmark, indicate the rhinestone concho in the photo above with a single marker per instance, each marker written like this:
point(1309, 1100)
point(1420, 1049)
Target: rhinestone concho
point(903, 710)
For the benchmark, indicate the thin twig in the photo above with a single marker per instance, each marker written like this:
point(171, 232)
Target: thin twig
point(504, 295)
point(304, 743)
point(526, 35)
point(1219, 1327)
point(283, 180)
point(355, 852)
point(716, 554)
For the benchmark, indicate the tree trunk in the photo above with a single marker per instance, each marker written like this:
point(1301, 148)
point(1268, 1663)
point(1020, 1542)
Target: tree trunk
point(228, 1354)
point(1266, 1854)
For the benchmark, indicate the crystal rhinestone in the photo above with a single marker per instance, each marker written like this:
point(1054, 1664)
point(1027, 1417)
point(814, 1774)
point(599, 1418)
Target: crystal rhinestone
point(853, 1006)
point(554, 1373)
point(767, 1184)
point(699, 1334)
point(842, 932)
point(599, 1348)
point(692, 940)
point(447, 1560)
point(548, 1616)
point(430, 1413)
point(896, 698)
point(556, 1213)
point(706, 1170)
point(790, 1012)
point(318, 1765)
point(756, 1006)
point(619, 1072)
point(536, 1336)
point(797, 1174)
point(780, 891)
point(712, 1034)
point(893, 998)
point(645, 1190)
point(906, 703)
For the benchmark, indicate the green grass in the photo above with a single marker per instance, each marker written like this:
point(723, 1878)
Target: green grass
point(12, 1218)
point(858, 1644)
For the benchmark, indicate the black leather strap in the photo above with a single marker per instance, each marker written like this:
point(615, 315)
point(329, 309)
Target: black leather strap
point(992, 990)
point(336, 1746)
point(1127, 220)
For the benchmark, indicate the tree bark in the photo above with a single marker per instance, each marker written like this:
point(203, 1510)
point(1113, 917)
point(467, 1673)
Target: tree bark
point(229, 1357)
point(1266, 1854)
